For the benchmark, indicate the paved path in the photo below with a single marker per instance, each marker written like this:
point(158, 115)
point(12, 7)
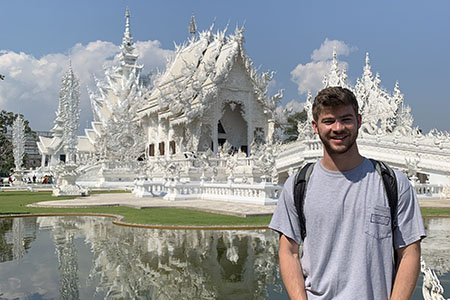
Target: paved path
point(230, 208)
point(126, 199)
point(436, 203)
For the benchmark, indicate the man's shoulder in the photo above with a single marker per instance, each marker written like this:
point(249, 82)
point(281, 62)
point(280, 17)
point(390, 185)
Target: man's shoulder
point(403, 182)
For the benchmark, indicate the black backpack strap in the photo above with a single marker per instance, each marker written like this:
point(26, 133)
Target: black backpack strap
point(301, 181)
point(390, 187)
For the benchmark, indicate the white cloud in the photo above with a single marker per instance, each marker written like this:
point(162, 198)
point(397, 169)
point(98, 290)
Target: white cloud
point(325, 51)
point(309, 76)
point(32, 85)
point(152, 55)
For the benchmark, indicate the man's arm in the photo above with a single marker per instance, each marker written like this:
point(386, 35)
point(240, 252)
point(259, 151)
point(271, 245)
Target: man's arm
point(291, 269)
point(407, 273)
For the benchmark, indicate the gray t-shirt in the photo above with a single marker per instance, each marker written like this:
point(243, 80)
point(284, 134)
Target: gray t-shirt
point(347, 252)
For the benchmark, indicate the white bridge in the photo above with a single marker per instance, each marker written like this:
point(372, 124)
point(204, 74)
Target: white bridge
point(424, 156)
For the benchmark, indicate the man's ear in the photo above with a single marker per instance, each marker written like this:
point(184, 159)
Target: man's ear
point(359, 120)
point(314, 125)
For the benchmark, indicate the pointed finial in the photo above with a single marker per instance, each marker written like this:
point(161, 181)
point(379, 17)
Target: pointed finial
point(238, 33)
point(70, 71)
point(127, 25)
point(367, 58)
point(212, 25)
point(397, 88)
point(192, 26)
point(334, 53)
point(226, 27)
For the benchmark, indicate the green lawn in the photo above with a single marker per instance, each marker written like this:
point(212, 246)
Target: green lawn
point(15, 203)
point(429, 212)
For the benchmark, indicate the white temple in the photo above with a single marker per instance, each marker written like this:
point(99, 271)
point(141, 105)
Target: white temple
point(204, 128)
point(209, 100)
point(210, 93)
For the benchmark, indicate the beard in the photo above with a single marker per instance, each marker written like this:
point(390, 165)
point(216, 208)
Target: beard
point(340, 150)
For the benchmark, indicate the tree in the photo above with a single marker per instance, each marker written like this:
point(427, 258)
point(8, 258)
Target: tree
point(290, 130)
point(6, 148)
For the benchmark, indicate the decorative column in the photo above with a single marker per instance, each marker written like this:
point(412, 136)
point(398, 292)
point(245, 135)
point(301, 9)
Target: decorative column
point(67, 174)
point(19, 147)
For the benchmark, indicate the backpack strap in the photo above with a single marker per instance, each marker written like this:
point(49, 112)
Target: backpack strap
point(301, 181)
point(390, 187)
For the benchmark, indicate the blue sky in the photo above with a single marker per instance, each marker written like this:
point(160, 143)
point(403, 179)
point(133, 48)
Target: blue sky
point(408, 41)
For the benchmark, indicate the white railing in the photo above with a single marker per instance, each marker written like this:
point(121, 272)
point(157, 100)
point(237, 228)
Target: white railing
point(260, 193)
point(147, 188)
point(429, 191)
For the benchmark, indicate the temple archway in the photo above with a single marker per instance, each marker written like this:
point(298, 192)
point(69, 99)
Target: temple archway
point(232, 127)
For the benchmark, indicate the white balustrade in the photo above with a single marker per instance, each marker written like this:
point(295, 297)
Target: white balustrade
point(429, 191)
point(260, 193)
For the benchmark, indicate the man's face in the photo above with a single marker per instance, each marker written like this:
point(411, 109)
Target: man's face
point(338, 128)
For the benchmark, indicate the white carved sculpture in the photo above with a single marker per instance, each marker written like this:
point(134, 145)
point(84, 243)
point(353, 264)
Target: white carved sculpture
point(304, 129)
point(431, 288)
point(70, 105)
point(68, 115)
point(118, 136)
point(337, 75)
point(412, 165)
point(18, 132)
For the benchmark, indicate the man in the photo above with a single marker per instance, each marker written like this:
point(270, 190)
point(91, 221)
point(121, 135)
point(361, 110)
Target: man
point(348, 249)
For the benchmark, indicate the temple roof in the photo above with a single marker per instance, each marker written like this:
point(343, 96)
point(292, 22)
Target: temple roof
point(198, 67)
point(84, 144)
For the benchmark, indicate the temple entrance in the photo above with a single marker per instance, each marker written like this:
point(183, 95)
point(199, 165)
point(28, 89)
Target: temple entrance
point(232, 127)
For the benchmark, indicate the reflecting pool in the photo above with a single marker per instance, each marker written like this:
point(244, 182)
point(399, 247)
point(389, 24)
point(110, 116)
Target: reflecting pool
point(91, 258)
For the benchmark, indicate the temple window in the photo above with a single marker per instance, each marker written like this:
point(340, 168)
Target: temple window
point(151, 150)
point(172, 147)
point(161, 148)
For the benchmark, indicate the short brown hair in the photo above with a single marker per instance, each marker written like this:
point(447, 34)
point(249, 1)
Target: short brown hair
point(332, 97)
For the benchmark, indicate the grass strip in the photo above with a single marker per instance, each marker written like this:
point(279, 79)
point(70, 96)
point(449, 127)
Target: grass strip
point(430, 212)
point(15, 203)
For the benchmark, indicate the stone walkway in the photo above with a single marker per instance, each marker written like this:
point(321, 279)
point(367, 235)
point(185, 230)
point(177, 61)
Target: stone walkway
point(435, 203)
point(229, 208)
point(129, 200)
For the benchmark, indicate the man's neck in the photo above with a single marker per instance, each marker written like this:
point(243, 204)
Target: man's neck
point(342, 161)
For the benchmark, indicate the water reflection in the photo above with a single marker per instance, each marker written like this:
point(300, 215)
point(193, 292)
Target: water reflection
point(90, 258)
point(436, 247)
point(133, 263)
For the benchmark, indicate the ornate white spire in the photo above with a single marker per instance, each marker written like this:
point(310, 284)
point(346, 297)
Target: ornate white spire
point(367, 68)
point(336, 76)
point(192, 26)
point(18, 141)
point(127, 56)
point(69, 112)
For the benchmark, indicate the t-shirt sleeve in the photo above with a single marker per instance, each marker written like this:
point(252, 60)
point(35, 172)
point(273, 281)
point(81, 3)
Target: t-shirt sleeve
point(285, 218)
point(409, 219)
